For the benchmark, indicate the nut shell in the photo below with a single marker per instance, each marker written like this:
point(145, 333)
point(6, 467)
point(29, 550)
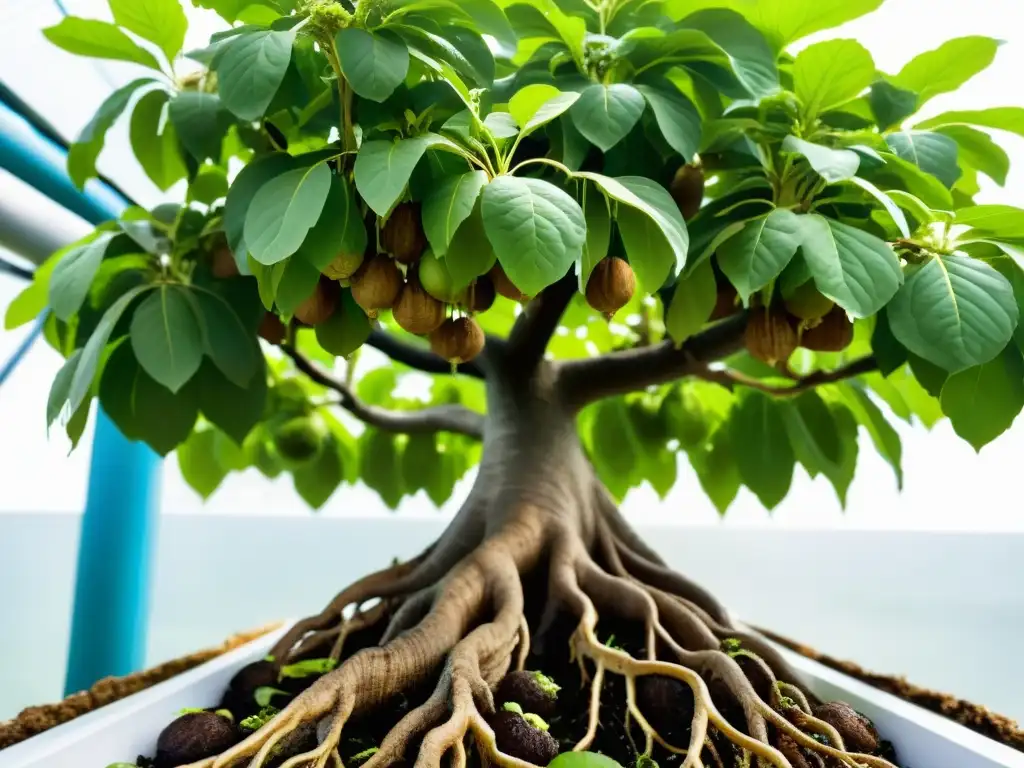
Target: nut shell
point(770, 336)
point(320, 305)
point(402, 235)
point(687, 190)
point(194, 737)
point(344, 265)
point(504, 286)
point(416, 311)
point(611, 286)
point(377, 284)
point(833, 334)
point(859, 734)
point(458, 340)
point(272, 329)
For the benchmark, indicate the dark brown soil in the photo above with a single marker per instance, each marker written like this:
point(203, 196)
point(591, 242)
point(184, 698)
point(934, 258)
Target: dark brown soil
point(973, 716)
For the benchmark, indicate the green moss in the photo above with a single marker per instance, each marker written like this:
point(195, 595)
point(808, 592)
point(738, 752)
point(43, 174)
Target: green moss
point(546, 684)
point(255, 722)
point(366, 754)
point(536, 721)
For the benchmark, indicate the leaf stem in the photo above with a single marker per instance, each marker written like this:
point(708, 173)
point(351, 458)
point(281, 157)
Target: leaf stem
point(543, 161)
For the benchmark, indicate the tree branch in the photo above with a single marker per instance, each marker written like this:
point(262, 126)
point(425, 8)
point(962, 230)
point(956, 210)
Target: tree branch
point(731, 379)
point(534, 328)
point(445, 418)
point(585, 381)
point(421, 359)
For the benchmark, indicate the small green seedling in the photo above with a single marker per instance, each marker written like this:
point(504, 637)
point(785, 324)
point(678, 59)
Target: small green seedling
point(536, 721)
point(365, 755)
point(255, 722)
point(265, 693)
point(308, 668)
point(546, 684)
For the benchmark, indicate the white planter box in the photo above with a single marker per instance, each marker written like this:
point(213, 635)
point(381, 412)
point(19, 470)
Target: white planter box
point(121, 731)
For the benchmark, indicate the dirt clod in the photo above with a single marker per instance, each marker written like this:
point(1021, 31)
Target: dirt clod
point(402, 236)
point(532, 691)
point(611, 285)
point(792, 752)
point(858, 732)
point(194, 737)
point(518, 738)
point(377, 284)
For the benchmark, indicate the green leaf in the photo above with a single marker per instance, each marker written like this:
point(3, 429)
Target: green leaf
point(296, 283)
point(525, 103)
point(166, 337)
point(826, 75)
point(381, 466)
point(955, 312)
point(841, 476)
point(983, 402)
point(833, 165)
point(346, 330)
point(692, 303)
point(450, 205)
point(978, 151)
point(855, 269)
point(197, 460)
point(251, 68)
point(87, 147)
point(931, 152)
point(613, 444)
point(747, 52)
point(226, 340)
point(235, 410)
point(420, 461)
point(143, 409)
point(604, 114)
point(921, 185)
point(201, 123)
point(155, 141)
point(993, 220)
point(161, 22)
point(536, 229)
point(651, 226)
point(886, 440)
point(1009, 119)
point(98, 39)
point(32, 301)
point(75, 378)
point(716, 470)
point(340, 228)
point(317, 481)
point(890, 354)
point(501, 125)
point(73, 276)
point(249, 181)
point(209, 185)
point(891, 105)
point(470, 254)
point(284, 210)
point(894, 211)
point(374, 63)
point(554, 106)
point(813, 434)
point(677, 118)
point(947, 67)
point(759, 252)
point(383, 168)
point(761, 447)
point(599, 233)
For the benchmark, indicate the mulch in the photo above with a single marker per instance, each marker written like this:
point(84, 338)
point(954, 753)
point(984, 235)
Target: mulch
point(35, 720)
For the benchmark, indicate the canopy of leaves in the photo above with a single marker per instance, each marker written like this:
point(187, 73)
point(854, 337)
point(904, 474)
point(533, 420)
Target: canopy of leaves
point(542, 136)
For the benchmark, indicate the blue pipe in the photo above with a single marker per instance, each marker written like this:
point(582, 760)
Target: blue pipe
point(118, 533)
point(8, 368)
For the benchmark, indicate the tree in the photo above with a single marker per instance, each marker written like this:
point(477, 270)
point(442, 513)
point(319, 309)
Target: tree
point(630, 229)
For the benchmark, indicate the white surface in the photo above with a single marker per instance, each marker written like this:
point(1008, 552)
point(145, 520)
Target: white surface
point(128, 727)
point(942, 608)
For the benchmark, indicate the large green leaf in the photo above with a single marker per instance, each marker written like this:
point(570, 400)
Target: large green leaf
point(251, 68)
point(894, 211)
point(226, 340)
point(284, 210)
point(748, 54)
point(450, 205)
point(833, 165)
point(1001, 118)
point(537, 105)
point(978, 151)
point(383, 168)
point(161, 22)
point(814, 434)
point(98, 39)
point(852, 267)
point(155, 141)
point(599, 233)
point(761, 447)
point(983, 402)
point(249, 181)
point(294, 284)
point(677, 117)
point(76, 376)
point(758, 253)
point(715, 465)
point(886, 440)
point(947, 67)
point(955, 312)
point(73, 276)
point(141, 408)
point(931, 152)
point(197, 460)
point(374, 63)
point(904, 176)
point(995, 221)
point(544, 19)
point(692, 303)
point(87, 147)
point(346, 330)
point(536, 229)
point(201, 122)
point(651, 226)
point(33, 299)
point(381, 466)
point(167, 338)
point(891, 105)
point(469, 254)
point(604, 114)
point(829, 74)
point(235, 410)
point(317, 481)
point(420, 461)
point(340, 228)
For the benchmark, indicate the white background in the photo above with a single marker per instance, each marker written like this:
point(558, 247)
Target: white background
point(948, 486)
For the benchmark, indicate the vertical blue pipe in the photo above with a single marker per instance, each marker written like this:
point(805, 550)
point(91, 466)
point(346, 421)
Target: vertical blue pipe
point(115, 555)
